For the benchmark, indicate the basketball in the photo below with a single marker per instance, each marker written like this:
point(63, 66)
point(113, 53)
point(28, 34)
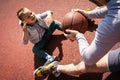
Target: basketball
point(75, 21)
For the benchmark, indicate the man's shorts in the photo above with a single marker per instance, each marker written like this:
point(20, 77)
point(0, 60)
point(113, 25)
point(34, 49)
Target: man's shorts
point(114, 60)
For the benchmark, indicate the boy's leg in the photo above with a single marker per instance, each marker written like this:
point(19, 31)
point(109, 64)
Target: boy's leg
point(38, 49)
point(58, 25)
point(53, 26)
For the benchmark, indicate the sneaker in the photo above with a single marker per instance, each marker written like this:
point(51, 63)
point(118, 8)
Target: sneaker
point(38, 71)
point(44, 70)
point(51, 59)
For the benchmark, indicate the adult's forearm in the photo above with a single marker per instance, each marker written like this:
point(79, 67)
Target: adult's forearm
point(82, 42)
point(72, 69)
point(98, 12)
point(81, 68)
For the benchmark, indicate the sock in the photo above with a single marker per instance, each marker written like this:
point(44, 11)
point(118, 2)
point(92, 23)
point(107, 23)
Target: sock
point(48, 57)
point(57, 69)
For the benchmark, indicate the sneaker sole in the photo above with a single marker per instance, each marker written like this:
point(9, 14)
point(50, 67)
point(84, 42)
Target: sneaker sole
point(37, 72)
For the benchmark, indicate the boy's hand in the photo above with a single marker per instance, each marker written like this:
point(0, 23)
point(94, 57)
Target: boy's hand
point(24, 26)
point(71, 34)
point(48, 20)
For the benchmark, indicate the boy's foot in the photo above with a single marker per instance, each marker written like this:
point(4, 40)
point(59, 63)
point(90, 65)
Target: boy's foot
point(51, 59)
point(41, 72)
point(46, 69)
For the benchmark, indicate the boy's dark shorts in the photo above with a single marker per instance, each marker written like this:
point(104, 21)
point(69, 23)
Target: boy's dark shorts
point(114, 60)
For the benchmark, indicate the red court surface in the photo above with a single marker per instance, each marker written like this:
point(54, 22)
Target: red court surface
point(17, 61)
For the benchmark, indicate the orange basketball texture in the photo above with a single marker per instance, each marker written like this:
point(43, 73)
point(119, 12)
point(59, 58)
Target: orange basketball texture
point(75, 21)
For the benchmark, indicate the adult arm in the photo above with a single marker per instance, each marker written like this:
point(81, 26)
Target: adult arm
point(99, 12)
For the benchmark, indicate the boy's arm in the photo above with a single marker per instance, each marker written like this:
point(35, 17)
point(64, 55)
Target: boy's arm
point(45, 14)
point(49, 18)
point(25, 35)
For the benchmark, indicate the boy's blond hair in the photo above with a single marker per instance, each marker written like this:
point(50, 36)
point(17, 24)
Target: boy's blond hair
point(20, 13)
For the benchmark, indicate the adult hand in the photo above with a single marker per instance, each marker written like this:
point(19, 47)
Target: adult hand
point(71, 34)
point(84, 12)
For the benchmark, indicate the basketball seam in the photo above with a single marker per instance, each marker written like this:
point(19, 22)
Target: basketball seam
point(81, 24)
point(78, 23)
point(72, 19)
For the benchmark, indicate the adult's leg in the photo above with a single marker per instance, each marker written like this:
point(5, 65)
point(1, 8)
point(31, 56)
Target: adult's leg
point(114, 60)
point(110, 62)
point(80, 68)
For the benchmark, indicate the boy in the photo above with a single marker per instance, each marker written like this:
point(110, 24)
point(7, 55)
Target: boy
point(38, 28)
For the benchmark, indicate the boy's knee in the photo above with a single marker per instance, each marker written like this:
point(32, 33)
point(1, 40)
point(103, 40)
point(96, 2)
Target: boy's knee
point(58, 24)
point(56, 21)
point(35, 50)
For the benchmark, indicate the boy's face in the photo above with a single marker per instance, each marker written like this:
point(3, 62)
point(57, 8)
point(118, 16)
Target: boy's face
point(29, 16)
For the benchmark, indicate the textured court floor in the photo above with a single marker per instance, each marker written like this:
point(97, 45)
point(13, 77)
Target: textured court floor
point(17, 62)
